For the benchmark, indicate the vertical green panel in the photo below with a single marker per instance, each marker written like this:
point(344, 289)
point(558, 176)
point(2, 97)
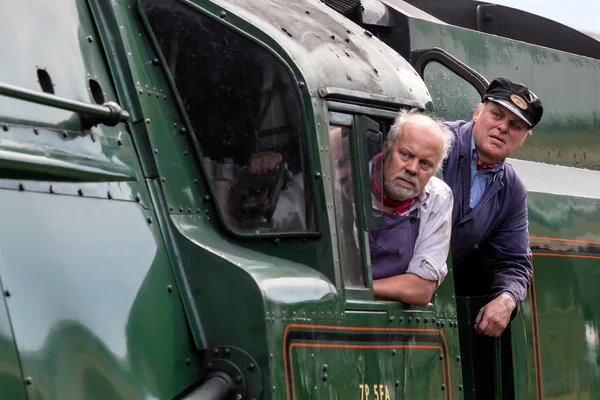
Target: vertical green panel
point(11, 382)
point(91, 312)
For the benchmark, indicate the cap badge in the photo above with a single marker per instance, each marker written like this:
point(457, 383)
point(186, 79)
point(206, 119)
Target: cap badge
point(519, 102)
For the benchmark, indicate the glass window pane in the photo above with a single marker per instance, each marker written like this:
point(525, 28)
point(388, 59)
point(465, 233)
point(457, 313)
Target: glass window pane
point(453, 97)
point(345, 206)
point(245, 113)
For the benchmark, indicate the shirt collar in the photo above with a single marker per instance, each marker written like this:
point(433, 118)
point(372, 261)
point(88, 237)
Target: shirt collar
point(473, 153)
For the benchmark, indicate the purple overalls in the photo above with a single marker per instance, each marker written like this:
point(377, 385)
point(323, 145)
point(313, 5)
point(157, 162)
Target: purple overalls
point(392, 244)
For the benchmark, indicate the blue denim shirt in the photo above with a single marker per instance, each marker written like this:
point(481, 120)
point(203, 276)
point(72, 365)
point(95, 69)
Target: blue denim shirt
point(490, 242)
point(481, 179)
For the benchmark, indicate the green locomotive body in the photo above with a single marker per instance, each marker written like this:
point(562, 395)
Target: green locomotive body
point(128, 270)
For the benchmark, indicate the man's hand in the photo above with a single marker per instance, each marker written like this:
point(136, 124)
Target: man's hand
point(495, 316)
point(266, 162)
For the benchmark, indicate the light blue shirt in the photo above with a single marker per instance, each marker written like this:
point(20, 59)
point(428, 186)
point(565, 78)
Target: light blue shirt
point(480, 180)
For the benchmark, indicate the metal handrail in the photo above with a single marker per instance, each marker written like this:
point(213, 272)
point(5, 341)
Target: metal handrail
point(110, 113)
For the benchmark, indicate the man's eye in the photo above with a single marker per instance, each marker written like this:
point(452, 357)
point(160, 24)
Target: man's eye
point(404, 155)
point(425, 165)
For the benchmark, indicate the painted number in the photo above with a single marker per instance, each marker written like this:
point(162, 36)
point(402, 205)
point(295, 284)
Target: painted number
point(381, 392)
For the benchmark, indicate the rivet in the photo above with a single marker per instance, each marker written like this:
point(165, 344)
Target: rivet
point(141, 91)
point(215, 351)
point(409, 320)
point(209, 365)
point(397, 383)
point(301, 85)
point(180, 209)
point(223, 14)
point(443, 387)
point(333, 37)
point(198, 210)
point(119, 142)
point(401, 319)
point(251, 366)
point(391, 319)
point(196, 181)
point(394, 352)
point(227, 351)
point(418, 320)
point(36, 131)
point(324, 367)
point(21, 187)
point(90, 39)
point(155, 61)
point(276, 241)
point(460, 387)
point(65, 134)
point(148, 121)
point(238, 397)
point(170, 208)
point(188, 361)
point(7, 293)
point(238, 378)
point(185, 153)
point(149, 220)
point(324, 377)
point(441, 356)
point(189, 210)
point(182, 130)
point(51, 189)
point(28, 380)
point(457, 358)
point(163, 179)
point(433, 320)
point(109, 195)
point(317, 176)
point(425, 320)
point(207, 198)
point(155, 151)
point(138, 198)
point(169, 288)
point(165, 97)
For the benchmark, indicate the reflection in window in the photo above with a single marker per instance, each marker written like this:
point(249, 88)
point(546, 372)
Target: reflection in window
point(244, 110)
point(453, 97)
point(345, 207)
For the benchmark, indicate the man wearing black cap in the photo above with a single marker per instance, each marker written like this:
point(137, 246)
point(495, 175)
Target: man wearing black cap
point(490, 239)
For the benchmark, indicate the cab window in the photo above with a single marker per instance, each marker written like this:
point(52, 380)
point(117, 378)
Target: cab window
point(453, 97)
point(244, 110)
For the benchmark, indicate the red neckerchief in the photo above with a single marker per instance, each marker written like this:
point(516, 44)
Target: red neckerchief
point(481, 165)
point(400, 206)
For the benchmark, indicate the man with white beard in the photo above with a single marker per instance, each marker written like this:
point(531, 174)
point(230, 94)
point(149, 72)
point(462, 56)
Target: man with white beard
point(410, 247)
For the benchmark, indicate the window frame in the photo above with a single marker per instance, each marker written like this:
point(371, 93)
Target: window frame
point(312, 199)
point(420, 59)
point(362, 298)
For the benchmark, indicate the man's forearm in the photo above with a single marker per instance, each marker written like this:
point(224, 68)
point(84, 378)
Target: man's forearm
point(407, 288)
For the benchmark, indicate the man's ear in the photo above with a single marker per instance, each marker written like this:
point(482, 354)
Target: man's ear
point(476, 112)
point(527, 136)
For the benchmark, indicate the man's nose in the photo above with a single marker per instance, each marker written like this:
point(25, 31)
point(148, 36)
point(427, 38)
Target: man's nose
point(503, 125)
point(412, 166)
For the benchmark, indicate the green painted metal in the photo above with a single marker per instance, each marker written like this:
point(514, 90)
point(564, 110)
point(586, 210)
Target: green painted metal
point(125, 281)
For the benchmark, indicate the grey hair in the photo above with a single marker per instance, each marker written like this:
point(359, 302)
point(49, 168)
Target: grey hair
point(398, 125)
point(480, 112)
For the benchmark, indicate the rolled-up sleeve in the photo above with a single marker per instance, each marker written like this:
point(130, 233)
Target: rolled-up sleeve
point(433, 242)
